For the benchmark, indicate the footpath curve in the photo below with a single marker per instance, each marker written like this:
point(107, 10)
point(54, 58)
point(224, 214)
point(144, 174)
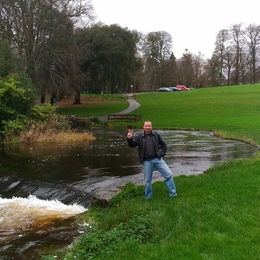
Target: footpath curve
point(133, 105)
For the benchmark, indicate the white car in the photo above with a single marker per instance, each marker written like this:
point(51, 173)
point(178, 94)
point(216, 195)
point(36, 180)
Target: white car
point(164, 89)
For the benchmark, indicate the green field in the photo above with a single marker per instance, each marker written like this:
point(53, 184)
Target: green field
point(216, 214)
point(233, 110)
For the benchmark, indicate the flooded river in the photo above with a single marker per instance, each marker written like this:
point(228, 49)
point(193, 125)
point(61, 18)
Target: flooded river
point(42, 187)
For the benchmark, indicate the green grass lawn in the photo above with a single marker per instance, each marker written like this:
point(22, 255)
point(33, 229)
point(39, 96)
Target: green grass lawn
point(232, 110)
point(216, 215)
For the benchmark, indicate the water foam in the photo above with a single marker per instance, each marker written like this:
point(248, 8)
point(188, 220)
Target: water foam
point(18, 214)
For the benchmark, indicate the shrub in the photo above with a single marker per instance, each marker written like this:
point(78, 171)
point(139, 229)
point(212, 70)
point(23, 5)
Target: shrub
point(12, 128)
point(16, 96)
point(42, 112)
point(16, 101)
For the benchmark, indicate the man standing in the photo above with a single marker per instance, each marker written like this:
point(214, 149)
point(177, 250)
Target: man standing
point(151, 150)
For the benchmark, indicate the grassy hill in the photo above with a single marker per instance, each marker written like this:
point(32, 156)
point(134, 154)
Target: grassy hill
point(234, 111)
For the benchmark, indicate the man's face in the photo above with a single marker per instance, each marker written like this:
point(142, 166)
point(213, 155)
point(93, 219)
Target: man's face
point(147, 127)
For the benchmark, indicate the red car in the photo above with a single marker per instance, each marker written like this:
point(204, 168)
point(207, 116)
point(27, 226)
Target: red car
point(182, 87)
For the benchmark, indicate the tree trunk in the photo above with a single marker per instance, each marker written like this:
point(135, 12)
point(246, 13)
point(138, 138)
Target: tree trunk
point(42, 98)
point(77, 98)
point(42, 88)
point(53, 100)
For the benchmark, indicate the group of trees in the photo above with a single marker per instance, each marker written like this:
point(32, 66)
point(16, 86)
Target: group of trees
point(235, 60)
point(58, 45)
point(41, 34)
point(236, 57)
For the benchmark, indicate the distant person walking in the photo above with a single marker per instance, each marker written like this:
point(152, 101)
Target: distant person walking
point(151, 150)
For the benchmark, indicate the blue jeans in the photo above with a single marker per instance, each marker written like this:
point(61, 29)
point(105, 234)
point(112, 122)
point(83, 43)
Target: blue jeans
point(165, 171)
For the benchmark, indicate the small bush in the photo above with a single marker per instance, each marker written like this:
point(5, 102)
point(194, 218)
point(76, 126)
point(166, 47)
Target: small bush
point(40, 112)
point(12, 128)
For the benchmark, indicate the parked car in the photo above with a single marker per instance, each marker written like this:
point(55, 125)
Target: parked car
point(174, 89)
point(164, 89)
point(182, 87)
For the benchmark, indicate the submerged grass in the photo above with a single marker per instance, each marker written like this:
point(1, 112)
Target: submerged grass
point(56, 129)
point(215, 216)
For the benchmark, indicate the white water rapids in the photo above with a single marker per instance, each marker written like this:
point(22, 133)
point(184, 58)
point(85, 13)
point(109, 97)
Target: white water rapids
point(20, 215)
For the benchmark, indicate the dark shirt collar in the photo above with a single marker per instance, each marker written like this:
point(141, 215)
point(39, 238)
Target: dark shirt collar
point(144, 134)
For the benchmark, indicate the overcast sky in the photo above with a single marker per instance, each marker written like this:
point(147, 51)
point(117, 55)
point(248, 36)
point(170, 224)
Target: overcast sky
point(193, 24)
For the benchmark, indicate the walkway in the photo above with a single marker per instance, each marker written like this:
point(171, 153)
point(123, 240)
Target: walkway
point(133, 105)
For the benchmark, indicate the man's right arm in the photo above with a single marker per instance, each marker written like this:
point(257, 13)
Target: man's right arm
point(130, 133)
point(131, 141)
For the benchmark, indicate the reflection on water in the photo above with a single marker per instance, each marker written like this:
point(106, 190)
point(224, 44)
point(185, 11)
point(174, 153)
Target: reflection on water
point(71, 174)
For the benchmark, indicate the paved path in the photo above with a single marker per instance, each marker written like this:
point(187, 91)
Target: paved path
point(133, 105)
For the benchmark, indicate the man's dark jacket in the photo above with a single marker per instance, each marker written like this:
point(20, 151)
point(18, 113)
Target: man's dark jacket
point(159, 144)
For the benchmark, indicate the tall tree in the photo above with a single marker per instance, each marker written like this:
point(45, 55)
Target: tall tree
point(221, 44)
point(185, 69)
point(157, 49)
point(109, 57)
point(252, 34)
point(237, 43)
point(198, 69)
point(228, 64)
point(170, 71)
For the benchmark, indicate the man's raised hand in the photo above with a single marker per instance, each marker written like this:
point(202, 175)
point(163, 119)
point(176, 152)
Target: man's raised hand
point(130, 133)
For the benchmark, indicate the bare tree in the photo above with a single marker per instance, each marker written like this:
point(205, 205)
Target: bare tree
point(198, 68)
point(185, 69)
point(252, 34)
point(228, 63)
point(237, 43)
point(29, 25)
point(170, 70)
point(81, 12)
point(221, 44)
